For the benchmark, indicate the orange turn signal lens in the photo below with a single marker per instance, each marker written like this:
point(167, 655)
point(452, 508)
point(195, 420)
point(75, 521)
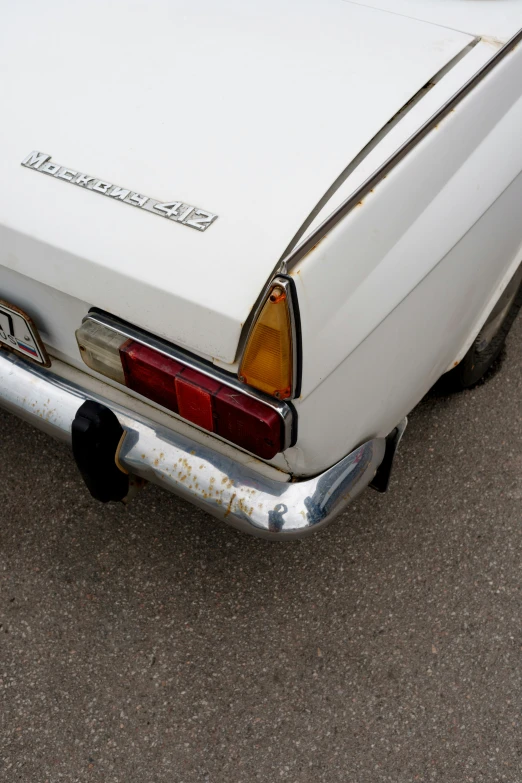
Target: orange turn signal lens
point(268, 360)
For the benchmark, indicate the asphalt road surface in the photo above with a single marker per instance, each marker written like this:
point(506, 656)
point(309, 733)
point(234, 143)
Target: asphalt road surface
point(154, 644)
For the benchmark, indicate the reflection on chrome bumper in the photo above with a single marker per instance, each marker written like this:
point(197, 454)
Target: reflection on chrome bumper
point(227, 489)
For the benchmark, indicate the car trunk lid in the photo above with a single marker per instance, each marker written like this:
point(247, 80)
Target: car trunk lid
point(248, 110)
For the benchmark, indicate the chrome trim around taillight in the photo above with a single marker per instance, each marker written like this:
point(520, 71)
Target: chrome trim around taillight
point(293, 308)
point(285, 412)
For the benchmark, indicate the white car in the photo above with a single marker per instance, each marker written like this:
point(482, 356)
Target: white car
point(326, 220)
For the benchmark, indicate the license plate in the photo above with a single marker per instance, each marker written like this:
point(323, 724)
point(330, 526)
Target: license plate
point(19, 334)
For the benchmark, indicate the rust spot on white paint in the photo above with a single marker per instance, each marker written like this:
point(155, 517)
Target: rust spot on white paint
point(229, 507)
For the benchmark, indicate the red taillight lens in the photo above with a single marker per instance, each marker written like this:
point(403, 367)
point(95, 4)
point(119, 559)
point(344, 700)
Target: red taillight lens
point(150, 373)
point(248, 422)
point(195, 392)
point(202, 400)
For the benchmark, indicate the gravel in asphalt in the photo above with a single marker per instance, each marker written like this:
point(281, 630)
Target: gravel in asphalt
point(154, 644)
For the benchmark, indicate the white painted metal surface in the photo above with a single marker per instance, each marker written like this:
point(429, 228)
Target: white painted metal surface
point(415, 268)
point(422, 111)
point(250, 110)
point(496, 20)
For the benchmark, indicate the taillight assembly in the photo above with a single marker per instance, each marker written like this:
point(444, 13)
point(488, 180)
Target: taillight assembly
point(207, 401)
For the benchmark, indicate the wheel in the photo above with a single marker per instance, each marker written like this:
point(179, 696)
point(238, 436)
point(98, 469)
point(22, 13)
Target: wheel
point(489, 342)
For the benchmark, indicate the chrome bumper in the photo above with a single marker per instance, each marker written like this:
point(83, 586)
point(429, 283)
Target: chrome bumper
point(216, 483)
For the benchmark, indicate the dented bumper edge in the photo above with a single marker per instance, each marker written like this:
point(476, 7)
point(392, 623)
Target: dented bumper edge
point(227, 489)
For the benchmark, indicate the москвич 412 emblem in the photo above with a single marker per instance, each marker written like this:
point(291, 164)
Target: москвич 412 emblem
point(177, 211)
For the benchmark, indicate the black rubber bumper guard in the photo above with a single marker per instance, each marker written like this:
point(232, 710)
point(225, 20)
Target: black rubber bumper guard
point(96, 438)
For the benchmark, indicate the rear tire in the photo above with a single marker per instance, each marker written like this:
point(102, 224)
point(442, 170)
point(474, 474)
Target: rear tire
point(489, 342)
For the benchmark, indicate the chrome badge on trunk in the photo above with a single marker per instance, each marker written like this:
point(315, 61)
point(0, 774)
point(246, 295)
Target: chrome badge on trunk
point(177, 211)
